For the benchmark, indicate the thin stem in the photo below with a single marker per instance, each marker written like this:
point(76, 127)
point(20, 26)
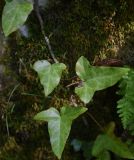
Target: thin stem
point(12, 92)
point(98, 124)
point(72, 84)
point(36, 6)
point(30, 94)
point(7, 126)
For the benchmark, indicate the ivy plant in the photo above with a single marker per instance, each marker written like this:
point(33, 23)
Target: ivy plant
point(105, 143)
point(49, 74)
point(96, 78)
point(59, 125)
point(109, 142)
point(15, 14)
point(93, 78)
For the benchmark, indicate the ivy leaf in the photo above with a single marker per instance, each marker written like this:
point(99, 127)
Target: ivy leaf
point(59, 125)
point(49, 74)
point(82, 68)
point(85, 92)
point(106, 142)
point(104, 156)
point(96, 78)
point(14, 15)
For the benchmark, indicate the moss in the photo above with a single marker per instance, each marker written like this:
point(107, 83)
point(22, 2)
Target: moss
point(75, 28)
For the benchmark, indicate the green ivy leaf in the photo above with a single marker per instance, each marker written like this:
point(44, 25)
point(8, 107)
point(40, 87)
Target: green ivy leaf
point(59, 125)
point(14, 15)
point(96, 78)
point(105, 142)
point(85, 92)
point(82, 68)
point(49, 74)
point(104, 156)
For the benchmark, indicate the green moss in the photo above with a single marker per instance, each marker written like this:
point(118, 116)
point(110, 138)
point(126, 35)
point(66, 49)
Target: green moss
point(75, 28)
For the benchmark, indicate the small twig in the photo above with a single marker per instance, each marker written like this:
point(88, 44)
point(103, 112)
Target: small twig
point(36, 7)
point(29, 94)
point(7, 126)
point(72, 84)
point(12, 92)
point(25, 68)
point(98, 124)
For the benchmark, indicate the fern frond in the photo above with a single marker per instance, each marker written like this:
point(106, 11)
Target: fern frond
point(125, 107)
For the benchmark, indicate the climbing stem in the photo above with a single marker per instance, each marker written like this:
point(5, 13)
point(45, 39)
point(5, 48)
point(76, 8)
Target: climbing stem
point(36, 7)
point(97, 123)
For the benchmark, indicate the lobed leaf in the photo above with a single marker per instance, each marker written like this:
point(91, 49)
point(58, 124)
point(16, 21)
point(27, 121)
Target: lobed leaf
point(104, 156)
point(49, 74)
point(59, 125)
point(106, 142)
point(15, 14)
point(96, 78)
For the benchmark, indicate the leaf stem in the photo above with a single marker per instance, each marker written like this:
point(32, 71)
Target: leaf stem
point(98, 124)
point(12, 92)
point(36, 7)
point(72, 84)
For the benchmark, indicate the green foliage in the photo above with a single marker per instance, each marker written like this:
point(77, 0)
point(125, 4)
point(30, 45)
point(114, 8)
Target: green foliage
point(96, 78)
point(49, 74)
point(109, 142)
point(126, 104)
point(59, 125)
point(14, 15)
point(104, 156)
point(93, 78)
point(103, 145)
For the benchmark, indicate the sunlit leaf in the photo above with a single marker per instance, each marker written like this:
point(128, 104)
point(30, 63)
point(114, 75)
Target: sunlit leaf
point(15, 14)
point(59, 125)
point(82, 68)
point(96, 78)
point(49, 74)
